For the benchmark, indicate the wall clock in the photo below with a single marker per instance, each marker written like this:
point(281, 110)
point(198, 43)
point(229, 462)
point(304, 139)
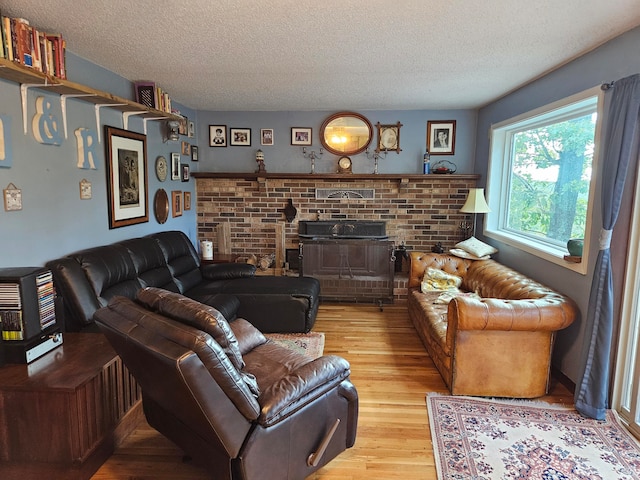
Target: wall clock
point(161, 168)
point(344, 165)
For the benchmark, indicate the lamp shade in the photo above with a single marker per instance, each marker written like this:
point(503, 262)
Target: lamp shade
point(475, 202)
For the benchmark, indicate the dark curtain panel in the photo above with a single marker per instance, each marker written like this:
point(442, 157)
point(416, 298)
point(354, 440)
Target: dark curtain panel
point(622, 132)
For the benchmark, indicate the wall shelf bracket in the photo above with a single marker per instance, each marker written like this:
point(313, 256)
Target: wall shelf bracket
point(24, 89)
point(97, 107)
point(146, 119)
point(63, 107)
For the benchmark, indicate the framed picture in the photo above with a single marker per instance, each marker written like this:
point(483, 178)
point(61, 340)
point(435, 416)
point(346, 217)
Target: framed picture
point(240, 137)
point(186, 149)
point(191, 132)
point(441, 137)
point(389, 137)
point(12, 198)
point(266, 136)
point(217, 135)
point(185, 173)
point(187, 200)
point(300, 136)
point(182, 126)
point(176, 170)
point(176, 203)
point(85, 189)
point(194, 153)
point(126, 159)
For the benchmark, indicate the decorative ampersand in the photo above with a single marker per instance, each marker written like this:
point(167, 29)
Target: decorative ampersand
point(45, 124)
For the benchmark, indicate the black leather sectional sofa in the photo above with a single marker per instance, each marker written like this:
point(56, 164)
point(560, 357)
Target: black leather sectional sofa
point(89, 279)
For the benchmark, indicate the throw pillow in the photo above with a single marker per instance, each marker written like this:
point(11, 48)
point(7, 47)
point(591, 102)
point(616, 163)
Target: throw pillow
point(195, 314)
point(476, 247)
point(458, 252)
point(435, 279)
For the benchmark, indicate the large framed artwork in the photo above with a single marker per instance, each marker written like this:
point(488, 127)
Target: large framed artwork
point(126, 160)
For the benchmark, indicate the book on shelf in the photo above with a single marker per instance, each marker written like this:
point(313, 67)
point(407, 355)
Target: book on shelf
point(30, 47)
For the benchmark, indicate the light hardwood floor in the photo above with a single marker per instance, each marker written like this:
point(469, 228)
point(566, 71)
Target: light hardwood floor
point(392, 373)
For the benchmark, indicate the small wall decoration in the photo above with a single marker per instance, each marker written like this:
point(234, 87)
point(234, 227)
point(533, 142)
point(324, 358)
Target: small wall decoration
point(12, 198)
point(389, 137)
point(266, 136)
point(183, 128)
point(240, 137)
point(194, 153)
point(6, 156)
point(176, 170)
point(191, 132)
point(441, 137)
point(85, 189)
point(45, 125)
point(217, 135)
point(126, 159)
point(185, 173)
point(186, 149)
point(86, 144)
point(176, 203)
point(187, 200)
point(300, 136)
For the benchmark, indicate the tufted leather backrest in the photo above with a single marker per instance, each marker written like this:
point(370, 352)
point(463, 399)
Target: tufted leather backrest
point(150, 263)
point(420, 261)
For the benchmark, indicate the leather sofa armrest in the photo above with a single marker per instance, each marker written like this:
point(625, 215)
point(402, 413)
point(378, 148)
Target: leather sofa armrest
point(550, 313)
point(292, 392)
point(227, 271)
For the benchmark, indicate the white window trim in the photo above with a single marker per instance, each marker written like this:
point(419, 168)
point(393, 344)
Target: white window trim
point(497, 181)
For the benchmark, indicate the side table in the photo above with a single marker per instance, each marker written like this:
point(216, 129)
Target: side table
point(62, 415)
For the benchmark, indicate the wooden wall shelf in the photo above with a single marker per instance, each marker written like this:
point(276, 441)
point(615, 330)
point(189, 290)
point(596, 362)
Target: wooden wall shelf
point(335, 176)
point(28, 78)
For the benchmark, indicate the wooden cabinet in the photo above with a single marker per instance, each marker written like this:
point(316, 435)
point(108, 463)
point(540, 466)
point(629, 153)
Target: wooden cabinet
point(62, 415)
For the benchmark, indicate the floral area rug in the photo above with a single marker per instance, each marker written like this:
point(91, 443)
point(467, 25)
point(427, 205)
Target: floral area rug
point(480, 439)
point(311, 344)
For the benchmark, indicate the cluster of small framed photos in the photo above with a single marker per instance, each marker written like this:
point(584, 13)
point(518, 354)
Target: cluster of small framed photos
point(220, 136)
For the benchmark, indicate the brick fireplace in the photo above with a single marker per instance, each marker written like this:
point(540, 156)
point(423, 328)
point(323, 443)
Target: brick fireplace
point(419, 210)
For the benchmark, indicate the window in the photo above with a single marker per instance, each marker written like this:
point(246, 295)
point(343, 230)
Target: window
point(540, 178)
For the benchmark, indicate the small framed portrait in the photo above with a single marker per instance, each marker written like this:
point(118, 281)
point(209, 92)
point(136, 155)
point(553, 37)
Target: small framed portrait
point(217, 135)
point(191, 131)
point(187, 200)
point(441, 137)
point(182, 126)
point(176, 170)
point(176, 203)
point(389, 137)
point(186, 149)
point(185, 173)
point(300, 136)
point(194, 153)
point(240, 137)
point(266, 136)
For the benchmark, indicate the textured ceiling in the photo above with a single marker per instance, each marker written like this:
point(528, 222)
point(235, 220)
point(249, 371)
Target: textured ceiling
point(328, 54)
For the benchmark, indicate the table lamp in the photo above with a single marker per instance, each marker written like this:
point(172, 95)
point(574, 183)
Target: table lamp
point(475, 204)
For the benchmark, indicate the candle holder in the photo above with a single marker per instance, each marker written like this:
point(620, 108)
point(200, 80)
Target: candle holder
point(376, 156)
point(312, 155)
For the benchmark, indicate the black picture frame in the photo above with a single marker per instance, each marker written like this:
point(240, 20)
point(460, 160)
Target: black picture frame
point(240, 137)
point(127, 177)
point(217, 135)
point(439, 131)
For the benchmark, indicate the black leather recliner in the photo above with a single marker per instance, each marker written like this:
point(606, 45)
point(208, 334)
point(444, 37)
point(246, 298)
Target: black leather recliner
point(240, 405)
point(88, 279)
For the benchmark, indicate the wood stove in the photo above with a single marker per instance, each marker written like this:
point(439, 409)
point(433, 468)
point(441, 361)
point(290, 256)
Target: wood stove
point(353, 259)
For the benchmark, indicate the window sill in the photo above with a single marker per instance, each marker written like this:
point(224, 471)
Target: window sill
point(554, 255)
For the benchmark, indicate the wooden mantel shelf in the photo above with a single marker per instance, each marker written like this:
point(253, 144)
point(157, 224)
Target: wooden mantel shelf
point(334, 176)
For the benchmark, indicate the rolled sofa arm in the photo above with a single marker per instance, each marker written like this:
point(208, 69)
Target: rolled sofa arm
point(227, 271)
point(295, 390)
point(552, 312)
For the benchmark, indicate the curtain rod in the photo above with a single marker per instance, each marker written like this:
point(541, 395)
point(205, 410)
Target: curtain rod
point(606, 86)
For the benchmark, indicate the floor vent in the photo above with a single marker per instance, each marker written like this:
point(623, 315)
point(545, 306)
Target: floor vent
point(362, 193)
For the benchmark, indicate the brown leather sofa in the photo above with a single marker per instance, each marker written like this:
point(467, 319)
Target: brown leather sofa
point(238, 404)
point(499, 345)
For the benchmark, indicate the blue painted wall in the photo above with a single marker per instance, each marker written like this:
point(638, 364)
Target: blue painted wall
point(613, 60)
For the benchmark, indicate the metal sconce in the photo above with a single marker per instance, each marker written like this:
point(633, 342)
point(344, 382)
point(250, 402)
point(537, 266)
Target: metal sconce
point(312, 155)
point(173, 131)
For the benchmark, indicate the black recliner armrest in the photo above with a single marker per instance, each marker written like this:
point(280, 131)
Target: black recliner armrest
point(227, 271)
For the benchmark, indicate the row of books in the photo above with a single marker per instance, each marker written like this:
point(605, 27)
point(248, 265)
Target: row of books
point(152, 96)
point(30, 47)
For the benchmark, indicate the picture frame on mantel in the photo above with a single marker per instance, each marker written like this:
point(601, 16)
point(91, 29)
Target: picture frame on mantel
point(441, 137)
point(127, 180)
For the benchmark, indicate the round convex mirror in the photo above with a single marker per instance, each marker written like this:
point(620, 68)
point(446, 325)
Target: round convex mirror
point(346, 133)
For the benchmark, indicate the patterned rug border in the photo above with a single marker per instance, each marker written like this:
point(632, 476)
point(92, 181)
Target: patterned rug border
point(439, 457)
point(311, 344)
